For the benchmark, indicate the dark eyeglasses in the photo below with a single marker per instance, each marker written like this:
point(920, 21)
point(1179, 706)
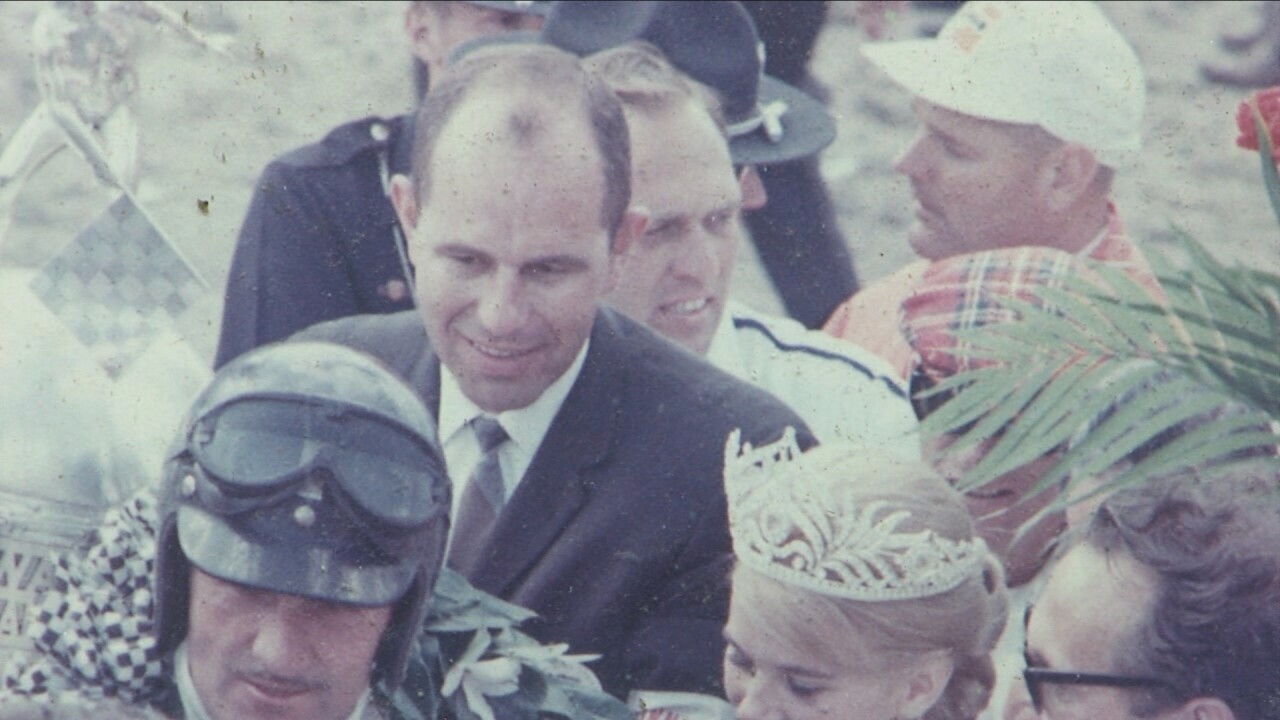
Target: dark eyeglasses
point(1036, 677)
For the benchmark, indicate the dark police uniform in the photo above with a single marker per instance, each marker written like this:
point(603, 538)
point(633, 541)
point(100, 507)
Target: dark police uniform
point(320, 240)
point(797, 234)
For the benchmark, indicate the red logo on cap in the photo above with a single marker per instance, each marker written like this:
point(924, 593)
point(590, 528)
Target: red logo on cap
point(966, 38)
point(976, 20)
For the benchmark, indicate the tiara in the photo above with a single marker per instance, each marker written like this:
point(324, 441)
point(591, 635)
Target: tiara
point(802, 527)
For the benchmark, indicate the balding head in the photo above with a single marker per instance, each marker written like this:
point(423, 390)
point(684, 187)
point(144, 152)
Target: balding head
point(541, 88)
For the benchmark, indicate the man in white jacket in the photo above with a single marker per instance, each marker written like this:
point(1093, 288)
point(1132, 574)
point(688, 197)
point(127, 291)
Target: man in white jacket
point(691, 171)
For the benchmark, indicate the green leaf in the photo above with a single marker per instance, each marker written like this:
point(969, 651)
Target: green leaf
point(1166, 407)
point(1270, 179)
point(980, 389)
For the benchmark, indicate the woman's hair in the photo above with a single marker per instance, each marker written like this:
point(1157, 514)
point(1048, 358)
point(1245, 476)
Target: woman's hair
point(964, 620)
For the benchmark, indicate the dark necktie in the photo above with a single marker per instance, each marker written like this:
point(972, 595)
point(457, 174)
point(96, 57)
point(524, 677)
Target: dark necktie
point(482, 498)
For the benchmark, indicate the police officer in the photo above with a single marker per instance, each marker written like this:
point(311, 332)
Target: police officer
point(320, 239)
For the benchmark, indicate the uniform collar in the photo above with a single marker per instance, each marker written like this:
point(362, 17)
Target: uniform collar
point(401, 160)
point(724, 352)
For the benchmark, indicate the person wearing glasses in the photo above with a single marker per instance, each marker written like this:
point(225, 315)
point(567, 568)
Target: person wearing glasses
point(861, 590)
point(1167, 607)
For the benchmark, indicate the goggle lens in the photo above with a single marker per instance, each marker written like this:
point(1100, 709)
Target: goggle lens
point(256, 445)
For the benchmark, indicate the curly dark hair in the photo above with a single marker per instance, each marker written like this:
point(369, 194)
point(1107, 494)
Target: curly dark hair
point(1214, 627)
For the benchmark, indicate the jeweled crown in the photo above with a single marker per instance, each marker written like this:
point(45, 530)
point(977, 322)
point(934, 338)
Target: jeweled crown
point(798, 524)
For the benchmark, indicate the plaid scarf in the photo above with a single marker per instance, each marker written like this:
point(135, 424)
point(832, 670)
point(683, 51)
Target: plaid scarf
point(971, 291)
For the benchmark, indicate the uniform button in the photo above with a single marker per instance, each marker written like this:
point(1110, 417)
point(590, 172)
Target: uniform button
point(379, 132)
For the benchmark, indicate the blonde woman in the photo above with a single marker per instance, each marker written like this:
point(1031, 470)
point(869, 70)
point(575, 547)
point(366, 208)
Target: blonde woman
point(861, 589)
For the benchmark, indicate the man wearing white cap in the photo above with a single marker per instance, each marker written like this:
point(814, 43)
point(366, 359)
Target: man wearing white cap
point(1026, 109)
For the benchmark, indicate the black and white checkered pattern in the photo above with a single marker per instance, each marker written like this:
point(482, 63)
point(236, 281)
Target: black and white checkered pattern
point(118, 284)
point(94, 627)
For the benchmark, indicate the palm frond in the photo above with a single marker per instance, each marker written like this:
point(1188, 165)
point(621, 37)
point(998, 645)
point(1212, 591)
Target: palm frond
point(1100, 368)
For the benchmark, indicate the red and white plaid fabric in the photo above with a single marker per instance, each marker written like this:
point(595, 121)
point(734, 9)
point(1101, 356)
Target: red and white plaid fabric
point(874, 318)
point(971, 291)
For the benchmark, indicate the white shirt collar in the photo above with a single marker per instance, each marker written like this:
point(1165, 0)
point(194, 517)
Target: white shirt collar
point(525, 426)
point(194, 709)
point(724, 352)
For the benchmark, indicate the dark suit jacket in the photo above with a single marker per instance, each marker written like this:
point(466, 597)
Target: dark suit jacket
point(617, 535)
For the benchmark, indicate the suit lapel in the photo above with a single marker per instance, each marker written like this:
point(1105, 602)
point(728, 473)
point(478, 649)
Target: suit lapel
point(556, 484)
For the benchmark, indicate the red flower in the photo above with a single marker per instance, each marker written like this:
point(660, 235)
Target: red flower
point(1267, 103)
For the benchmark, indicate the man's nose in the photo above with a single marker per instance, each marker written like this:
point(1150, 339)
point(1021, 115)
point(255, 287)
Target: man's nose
point(282, 643)
point(912, 160)
point(503, 307)
point(699, 259)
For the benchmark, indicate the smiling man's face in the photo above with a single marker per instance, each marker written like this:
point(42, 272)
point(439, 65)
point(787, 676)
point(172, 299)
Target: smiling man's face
point(675, 278)
point(1004, 507)
point(512, 256)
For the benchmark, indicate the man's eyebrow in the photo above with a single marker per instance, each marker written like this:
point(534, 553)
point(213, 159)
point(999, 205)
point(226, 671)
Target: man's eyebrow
point(457, 247)
point(657, 218)
point(566, 260)
point(946, 134)
point(666, 221)
point(1034, 658)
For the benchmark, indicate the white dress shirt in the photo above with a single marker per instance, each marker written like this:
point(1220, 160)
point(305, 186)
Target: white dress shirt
point(525, 427)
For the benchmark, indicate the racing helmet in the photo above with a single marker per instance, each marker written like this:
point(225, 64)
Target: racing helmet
point(306, 469)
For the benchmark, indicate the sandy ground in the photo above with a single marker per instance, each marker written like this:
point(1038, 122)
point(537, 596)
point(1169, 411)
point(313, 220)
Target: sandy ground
point(209, 124)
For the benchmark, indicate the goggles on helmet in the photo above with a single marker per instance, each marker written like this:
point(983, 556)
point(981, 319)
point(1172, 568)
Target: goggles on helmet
point(257, 449)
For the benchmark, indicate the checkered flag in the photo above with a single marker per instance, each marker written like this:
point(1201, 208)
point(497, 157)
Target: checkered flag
point(118, 284)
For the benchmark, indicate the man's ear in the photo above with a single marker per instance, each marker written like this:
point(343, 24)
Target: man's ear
point(1205, 708)
point(925, 682)
point(404, 198)
point(1071, 170)
point(754, 196)
point(629, 231)
point(417, 30)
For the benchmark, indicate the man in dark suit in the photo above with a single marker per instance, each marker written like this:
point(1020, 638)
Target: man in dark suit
point(598, 500)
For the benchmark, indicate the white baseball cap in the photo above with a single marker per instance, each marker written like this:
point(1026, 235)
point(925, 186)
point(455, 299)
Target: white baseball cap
point(1060, 65)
